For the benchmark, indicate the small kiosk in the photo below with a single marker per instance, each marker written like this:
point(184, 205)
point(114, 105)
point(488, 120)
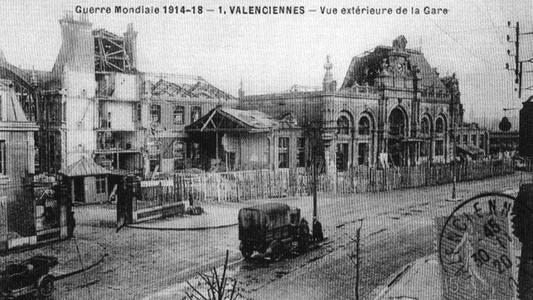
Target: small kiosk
point(87, 181)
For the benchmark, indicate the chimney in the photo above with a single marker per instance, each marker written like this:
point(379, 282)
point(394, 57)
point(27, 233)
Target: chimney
point(77, 46)
point(241, 90)
point(130, 41)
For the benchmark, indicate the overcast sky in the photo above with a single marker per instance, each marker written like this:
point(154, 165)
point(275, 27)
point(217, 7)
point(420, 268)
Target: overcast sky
point(271, 53)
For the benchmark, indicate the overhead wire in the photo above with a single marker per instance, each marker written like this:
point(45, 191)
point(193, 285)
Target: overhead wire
point(460, 44)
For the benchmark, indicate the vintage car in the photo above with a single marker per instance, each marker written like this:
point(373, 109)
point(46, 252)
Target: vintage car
point(29, 278)
point(272, 229)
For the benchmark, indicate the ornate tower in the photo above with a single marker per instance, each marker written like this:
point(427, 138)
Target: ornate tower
point(328, 84)
point(241, 90)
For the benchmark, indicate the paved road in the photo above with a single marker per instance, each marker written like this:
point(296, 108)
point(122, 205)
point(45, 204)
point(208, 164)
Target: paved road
point(398, 228)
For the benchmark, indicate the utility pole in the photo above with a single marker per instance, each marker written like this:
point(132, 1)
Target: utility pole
point(454, 163)
point(518, 63)
point(318, 234)
point(453, 136)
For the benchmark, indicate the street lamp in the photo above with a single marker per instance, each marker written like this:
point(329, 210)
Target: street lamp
point(453, 134)
point(318, 234)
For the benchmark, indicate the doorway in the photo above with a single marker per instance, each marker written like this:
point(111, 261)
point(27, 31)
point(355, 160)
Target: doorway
point(79, 189)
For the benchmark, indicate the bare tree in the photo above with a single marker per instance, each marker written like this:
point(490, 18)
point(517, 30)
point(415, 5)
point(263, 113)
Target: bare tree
point(219, 286)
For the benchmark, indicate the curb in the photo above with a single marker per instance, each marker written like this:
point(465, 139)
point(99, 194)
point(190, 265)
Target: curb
point(63, 276)
point(380, 291)
point(181, 228)
point(397, 276)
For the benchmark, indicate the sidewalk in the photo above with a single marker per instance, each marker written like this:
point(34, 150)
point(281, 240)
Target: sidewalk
point(419, 280)
point(214, 216)
point(66, 253)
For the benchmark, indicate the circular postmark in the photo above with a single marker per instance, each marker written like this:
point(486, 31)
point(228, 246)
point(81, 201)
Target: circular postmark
point(477, 249)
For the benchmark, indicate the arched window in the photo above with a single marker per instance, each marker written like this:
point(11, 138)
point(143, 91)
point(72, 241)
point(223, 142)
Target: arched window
point(397, 122)
point(439, 125)
point(343, 125)
point(425, 127)
point(364, 125)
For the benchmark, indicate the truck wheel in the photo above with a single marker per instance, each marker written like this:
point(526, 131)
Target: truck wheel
point(246, 251)
point(276, 250)
point(45, 286)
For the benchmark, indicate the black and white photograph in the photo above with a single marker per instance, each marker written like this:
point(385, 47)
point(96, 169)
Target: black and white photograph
point(250, 150)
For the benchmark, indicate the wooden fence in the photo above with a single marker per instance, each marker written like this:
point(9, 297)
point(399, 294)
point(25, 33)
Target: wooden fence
point(242, 185)
point(258, 184)
point(156, 193)
point(372, 180)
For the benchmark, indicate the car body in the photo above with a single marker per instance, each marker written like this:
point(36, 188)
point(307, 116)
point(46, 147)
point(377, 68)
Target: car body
point(271, 229)
point(29, 277)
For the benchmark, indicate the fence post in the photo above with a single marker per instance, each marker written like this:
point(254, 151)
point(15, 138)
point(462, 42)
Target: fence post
point(261, 184)
point(160, 192)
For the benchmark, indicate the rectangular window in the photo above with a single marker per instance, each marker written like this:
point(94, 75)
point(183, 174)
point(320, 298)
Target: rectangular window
point(266, 153)
point(342, 157)
point(100, 184)
point(231, 157)
point(154, 163)
point(0, 108)
point(179, 150)
point(300, 147)
point(362, 159)
point(178, 114)
point(64, 114)
point(139, 112)
point(424, 149)
point(108, 120)
point(51, 154)
point(481, 141)
point(474, 139)
point(196, 113)
point(283, 152)
point(3, 158)
point(155, 113)
point(439, 148)
point(465, 139)
point(458, 139)
point(53, 111)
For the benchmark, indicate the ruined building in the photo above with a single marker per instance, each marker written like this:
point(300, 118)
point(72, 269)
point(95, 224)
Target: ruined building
point(96, 104)
point(392, 109)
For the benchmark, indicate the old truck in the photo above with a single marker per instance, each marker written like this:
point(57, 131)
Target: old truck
point(272, 229)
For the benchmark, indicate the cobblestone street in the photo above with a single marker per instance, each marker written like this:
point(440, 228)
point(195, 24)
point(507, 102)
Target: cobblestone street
point(398, 228)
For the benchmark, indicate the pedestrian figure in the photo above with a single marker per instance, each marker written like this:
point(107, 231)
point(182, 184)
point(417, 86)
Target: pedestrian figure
point(71, 224)
point(191, 201)
point(318, 235)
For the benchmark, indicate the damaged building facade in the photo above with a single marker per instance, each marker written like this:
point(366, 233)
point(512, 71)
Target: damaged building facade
point(96, 104)
point(392, 109)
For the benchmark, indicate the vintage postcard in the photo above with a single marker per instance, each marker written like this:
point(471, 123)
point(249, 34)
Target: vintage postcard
point(289, 149)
